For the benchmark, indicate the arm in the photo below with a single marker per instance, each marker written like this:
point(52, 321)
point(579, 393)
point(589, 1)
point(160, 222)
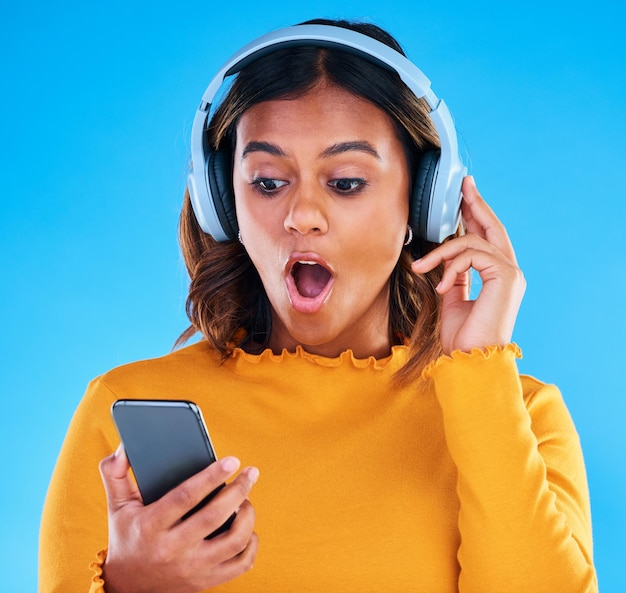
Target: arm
point(74, 525)
point(524, 518)
point(524, 511)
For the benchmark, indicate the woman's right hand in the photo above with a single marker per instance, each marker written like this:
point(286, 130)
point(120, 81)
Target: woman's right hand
point(151, 549)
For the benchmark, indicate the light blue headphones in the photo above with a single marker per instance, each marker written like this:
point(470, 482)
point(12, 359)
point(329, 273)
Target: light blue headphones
point(435, 203)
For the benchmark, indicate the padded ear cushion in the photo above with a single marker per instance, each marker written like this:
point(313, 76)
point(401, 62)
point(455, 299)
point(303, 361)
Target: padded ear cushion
point(219, 173)
point(423, 191)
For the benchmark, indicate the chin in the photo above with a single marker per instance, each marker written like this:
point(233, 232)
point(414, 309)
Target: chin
point(312, 335)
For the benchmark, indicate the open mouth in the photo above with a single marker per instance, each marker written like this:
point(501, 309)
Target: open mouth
point(309, 281)
point(310, 278)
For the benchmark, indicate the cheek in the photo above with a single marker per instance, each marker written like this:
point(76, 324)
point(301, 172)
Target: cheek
point(385, 254)
point(249, 214)
point(259, 240)
point(374, 255)
point(383, 234)
point(256, 214)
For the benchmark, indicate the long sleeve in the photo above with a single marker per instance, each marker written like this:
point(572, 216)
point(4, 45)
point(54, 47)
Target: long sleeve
point(524, 516)
point(471, 481)
point(74, 521)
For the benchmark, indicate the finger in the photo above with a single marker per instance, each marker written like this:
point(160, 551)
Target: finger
point(455, 285)
point(228, 554)
point(489, 267)
point(120, 489)
point(242, 562)
point(451, 249)
point(176, 503)
point(234, 541)
point(217, 511)
point(481, 220)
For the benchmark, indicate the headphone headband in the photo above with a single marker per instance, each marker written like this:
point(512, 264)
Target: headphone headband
point(325, 36)
point(443, 215)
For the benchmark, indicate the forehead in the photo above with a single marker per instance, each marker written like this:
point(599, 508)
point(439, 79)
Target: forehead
point(322, 116)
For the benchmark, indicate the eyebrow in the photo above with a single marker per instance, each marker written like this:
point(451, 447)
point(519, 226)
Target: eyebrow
point(358, 145)
point(255, 146)
point(335, 149)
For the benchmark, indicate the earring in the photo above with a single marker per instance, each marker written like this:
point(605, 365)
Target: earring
point(239, 237)
point(409, 235)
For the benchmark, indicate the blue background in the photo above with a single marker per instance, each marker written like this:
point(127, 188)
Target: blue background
point(96, 107)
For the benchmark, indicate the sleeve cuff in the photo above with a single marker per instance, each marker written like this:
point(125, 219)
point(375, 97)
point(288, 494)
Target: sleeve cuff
point(457, 357)
point(97, 582)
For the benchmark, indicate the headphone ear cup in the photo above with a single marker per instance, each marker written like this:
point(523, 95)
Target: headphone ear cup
point(423, 188)
point(220, 176)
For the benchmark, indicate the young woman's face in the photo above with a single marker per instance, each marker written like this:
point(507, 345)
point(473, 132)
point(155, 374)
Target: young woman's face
point(321, 190)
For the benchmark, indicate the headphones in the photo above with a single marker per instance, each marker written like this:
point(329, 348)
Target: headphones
point(435, 203)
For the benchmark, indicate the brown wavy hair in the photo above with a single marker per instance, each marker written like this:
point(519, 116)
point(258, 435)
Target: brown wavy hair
point(227, 302)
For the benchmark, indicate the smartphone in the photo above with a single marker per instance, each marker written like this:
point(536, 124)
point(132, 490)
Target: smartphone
point(166, 442)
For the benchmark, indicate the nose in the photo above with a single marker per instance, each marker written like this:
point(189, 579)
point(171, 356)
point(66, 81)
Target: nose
point(307, 212)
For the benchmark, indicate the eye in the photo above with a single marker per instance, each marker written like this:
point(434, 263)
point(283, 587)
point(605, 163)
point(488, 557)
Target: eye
point(348, 185)
point(265, 186)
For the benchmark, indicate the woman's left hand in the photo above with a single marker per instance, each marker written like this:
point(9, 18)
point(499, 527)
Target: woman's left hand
point(489, 320)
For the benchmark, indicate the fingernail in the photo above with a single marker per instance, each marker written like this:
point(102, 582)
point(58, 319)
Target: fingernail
point(118, 451)
point(253, 474)
point(230, 464)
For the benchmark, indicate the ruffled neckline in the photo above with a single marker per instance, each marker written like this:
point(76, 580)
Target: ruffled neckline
point(398, 357)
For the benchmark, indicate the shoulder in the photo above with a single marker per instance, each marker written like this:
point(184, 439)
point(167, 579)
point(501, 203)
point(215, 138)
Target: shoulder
point(155, 377)
point(176, 375)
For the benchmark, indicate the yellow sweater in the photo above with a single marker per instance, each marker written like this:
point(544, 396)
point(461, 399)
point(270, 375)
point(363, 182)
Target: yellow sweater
point(469, 480)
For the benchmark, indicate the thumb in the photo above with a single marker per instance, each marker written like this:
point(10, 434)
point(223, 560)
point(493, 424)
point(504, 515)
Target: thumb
point(119, 487)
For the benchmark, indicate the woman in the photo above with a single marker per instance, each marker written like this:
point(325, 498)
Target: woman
point(399, 448)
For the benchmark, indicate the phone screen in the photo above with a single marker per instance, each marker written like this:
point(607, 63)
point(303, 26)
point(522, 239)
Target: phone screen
point(166, 442)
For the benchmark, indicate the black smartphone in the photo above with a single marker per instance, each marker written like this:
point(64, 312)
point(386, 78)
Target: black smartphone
point(166, 442)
